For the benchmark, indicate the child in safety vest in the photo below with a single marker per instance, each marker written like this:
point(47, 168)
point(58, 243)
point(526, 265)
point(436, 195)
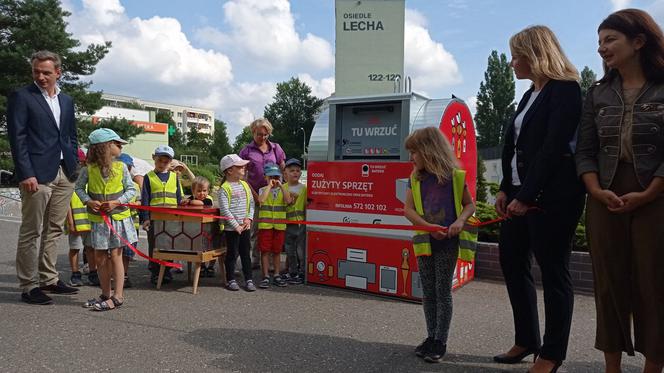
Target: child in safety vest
point(273, 199)
point(127, 253)
point(437, 197)
point(109, 185)
point(237, 203)
point(200, 189)
point(78, 226)
point(295, 211)
point(161, 187)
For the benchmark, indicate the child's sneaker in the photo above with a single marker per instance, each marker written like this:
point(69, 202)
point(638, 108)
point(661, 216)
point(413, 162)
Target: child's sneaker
point(85, 269)
point(232, 285)
point(76, 280)
point(249, 286)
point(295, 280)
point(279, 281)
point(265, 283)
point(436, 352)
point(93, 278)
point(209, 272)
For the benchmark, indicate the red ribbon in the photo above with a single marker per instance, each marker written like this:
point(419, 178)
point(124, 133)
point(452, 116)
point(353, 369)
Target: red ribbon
point(473, 221)
point(107, 220)
point(177, 211)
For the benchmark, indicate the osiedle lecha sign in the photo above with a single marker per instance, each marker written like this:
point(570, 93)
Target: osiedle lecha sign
point(369, 55)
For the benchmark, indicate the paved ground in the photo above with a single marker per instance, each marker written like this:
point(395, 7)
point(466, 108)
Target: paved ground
point(299, 328)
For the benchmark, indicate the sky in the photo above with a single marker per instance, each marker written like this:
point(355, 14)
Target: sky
point(229, 55)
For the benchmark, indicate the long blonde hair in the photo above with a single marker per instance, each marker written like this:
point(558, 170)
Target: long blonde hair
point(100, 155)
point(434, 150)
point(539, 45)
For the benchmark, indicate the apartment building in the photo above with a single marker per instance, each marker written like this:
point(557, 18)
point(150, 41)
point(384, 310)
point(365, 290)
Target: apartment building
point(185, 117)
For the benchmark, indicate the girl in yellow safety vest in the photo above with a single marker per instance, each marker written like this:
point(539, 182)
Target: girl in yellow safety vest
point(437, 197)
point(109, 186)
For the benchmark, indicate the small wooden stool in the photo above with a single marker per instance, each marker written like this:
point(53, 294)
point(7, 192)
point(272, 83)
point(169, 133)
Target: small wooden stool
point(197, 258)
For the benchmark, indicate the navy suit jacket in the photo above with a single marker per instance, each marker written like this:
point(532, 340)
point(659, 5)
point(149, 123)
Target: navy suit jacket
point(544, 158)
point(35, 139)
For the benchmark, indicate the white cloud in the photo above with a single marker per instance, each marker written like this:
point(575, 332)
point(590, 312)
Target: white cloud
point(263, 34)
point(620, 4)
point(430, 66)
point(154, 52)
point(153, 59)
point(322, 88)
point(105, 13)
point(240, 103)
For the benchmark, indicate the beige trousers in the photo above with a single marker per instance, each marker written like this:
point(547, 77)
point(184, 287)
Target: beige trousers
point(44, 213)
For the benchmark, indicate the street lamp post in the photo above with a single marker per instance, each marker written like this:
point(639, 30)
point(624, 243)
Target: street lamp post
point(304, 147)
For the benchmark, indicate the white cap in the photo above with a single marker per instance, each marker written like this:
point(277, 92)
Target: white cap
point(164, 150)
point(231, 160)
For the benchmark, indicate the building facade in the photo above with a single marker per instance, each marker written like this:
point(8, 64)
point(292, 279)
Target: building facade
point(185, 117)
point(144, 144)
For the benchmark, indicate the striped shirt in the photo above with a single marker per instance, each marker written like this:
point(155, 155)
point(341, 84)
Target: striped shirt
point(236, 207)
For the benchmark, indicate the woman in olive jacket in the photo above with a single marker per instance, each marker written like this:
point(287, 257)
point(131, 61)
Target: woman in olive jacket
point(620, 157)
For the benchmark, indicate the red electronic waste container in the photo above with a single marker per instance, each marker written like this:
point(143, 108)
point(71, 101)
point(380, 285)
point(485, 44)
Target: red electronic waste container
point(358, 173)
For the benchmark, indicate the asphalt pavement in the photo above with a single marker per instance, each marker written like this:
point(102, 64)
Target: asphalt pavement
point(297, 328)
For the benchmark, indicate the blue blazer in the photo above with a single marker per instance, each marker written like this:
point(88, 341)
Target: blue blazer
point(35, 139)
point(544, 158)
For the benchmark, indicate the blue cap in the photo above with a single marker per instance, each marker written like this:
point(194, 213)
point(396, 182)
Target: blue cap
point(126, 159)
point(271, 169)
point(293, 161)
point(102, 135)
point(164, 150)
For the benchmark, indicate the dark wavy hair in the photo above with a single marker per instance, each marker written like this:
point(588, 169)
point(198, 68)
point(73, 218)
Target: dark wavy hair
point(632, 23)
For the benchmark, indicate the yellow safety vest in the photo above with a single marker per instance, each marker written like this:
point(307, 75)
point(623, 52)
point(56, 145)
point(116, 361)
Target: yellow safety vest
point(467, 237)
point(226, 187)
point(272, 209)
point(296, 211)
point(134, 212)
point(80, 214)
point(109, 190)
point(163, 194)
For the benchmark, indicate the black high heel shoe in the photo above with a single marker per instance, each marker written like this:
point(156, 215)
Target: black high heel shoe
point(554, 369)
point(507, 359)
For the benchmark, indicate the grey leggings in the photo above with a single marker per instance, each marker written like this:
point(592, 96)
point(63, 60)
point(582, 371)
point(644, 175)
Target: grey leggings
point(436, 273)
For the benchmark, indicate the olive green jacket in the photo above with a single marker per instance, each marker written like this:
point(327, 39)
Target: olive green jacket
point(598, 145)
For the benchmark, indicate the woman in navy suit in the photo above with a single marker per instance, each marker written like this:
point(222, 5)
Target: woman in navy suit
point(541, 196)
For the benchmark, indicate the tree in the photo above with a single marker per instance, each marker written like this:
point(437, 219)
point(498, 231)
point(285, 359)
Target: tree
point(198, 144)
point(122, 127)
point(293, 108)
point(220, 143)
point(495, 101)
point(242, 139)
point(31, 25)
point(175, 137)
point(481, 191)
point(588, 78)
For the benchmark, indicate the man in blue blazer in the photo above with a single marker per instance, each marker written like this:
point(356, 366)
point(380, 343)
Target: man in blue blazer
point(42, 135)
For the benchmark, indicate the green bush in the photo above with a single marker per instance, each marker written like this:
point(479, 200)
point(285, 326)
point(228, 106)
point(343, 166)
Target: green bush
point(209, 171)
point(580, 243)
point(486, 212)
